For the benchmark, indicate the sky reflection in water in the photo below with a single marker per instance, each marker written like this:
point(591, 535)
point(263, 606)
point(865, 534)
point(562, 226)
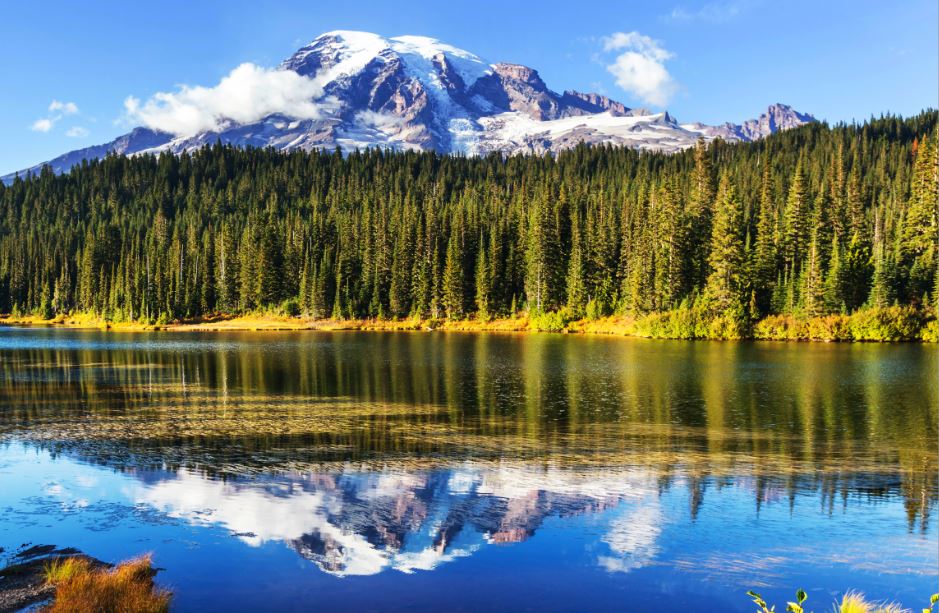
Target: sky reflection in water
point(421, 471)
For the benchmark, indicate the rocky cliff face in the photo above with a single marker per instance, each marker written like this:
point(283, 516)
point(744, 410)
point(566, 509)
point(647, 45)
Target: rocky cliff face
point(413, 92)
point(776, 118)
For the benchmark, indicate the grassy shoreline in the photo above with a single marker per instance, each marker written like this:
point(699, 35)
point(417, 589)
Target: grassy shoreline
point(859, 327)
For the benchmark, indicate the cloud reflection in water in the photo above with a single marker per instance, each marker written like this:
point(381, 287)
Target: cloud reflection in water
point(355, 523)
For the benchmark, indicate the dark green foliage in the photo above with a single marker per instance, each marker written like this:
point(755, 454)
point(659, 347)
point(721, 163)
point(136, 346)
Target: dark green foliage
point(810, 222)
point(728, 282)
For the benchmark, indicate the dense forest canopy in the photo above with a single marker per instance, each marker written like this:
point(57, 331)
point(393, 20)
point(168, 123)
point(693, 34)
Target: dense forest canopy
point(810, 221)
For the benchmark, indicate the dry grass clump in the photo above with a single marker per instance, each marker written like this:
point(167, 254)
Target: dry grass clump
point(63, 568)
point(856, 602)
point(80, 587)
point(851, 602)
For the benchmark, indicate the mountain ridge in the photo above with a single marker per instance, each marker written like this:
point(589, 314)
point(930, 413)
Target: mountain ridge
point(414, 92)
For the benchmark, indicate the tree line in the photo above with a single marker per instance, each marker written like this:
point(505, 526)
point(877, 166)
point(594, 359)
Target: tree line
point(816, 220)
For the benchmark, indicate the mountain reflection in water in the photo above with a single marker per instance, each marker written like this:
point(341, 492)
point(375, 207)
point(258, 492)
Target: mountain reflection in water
point(364, 523)
point(626, 465)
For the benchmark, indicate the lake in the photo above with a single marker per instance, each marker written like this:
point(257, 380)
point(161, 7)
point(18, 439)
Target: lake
point(428, 470)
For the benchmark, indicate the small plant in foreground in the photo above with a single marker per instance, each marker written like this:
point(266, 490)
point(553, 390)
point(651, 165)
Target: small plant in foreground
point(855, 602)
point(80, 587)
point(62, 568)
point(793, 607)
point(851, 602)
point(932, 603)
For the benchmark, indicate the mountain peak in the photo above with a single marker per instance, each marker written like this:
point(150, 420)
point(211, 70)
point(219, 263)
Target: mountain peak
point(417, 92)
point(777, 117)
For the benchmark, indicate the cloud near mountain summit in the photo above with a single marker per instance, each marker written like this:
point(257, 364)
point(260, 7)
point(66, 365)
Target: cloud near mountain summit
point(247, 94)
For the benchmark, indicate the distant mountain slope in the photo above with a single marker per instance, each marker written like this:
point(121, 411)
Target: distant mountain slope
point(414, 92)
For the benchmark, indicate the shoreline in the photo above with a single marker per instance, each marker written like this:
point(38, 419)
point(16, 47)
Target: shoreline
point(273, 323)
point(614, 325)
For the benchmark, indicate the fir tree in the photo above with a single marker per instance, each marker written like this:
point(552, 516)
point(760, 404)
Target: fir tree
point(542, 258)
point(483, 283)
point(576, 290)
point(700, 201)
point(726, 288)
point(765, 255)
point(454, 295)
point(797, 219)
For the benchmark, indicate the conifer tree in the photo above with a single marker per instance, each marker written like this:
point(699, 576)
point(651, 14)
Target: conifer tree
point(542, 258)
point(671, 282)
point(270, 265)
point(453, 291)
point(813, 290)
point(854, 205)
point(700, 201)
point(920, 232)
point(856, 273)
point(727, 289)
point(765, 255)
point(797, 219)
point(400, 289)
point(576, 290)
point(248, 269)
point(833, 279)
point(483, 283)
point(880, 294)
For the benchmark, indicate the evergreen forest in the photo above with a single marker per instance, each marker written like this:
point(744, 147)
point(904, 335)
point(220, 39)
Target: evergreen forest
point(716, 241)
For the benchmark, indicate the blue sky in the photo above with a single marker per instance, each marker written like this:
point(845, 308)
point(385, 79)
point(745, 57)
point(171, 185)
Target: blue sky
point(68, 67)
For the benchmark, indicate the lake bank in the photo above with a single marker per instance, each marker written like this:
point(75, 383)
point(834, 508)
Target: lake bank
point(891, 324)
point(23, 582)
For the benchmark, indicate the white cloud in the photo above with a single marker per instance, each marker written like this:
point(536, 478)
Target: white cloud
point(63, 108)
point(640, 68)
point(249, 93)
point(42, 125)
point(77, 132)
point(57, 110)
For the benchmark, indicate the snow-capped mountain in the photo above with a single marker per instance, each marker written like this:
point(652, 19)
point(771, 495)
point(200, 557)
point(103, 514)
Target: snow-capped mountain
point(414, 92)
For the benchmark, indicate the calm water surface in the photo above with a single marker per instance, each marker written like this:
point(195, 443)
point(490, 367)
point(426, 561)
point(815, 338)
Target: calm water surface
point(429, 471)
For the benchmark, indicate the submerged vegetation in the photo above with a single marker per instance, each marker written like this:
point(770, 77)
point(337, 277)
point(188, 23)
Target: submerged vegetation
point(818, 232)
point(81, 586)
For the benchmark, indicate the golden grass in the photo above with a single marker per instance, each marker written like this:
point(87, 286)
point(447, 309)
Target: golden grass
point(81, 588)
point(614, 325)
point(775, 327)
point(60, 569)
point(272, 322)
point(78, 320)
point(855, 602)
point(852, 602)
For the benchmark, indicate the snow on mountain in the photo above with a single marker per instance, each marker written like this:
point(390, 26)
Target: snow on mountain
point(518, 132)
point(415, 92)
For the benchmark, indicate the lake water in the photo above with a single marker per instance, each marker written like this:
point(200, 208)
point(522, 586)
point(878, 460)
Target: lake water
point(446, 471)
